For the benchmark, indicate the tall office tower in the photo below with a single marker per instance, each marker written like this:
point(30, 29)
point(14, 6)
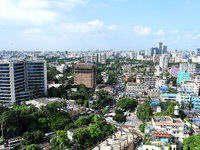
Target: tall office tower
point(86, 74)
point(164, 60)
point(176, 50)
point(164, 49)
point(19, 77)
point(198, 52)
point(66, 52)
point(160, 46)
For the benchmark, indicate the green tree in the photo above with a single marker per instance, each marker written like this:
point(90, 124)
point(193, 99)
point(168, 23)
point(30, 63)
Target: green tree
point(127, 103)
point(32, 138)
point(182, 105)
point(105, 111)
point(81, 135)
point(192, 142)
point(144, 111)
point(31, 147)
point(190, 105)
point(148, 100)
point(119, 118)
point(142, 127)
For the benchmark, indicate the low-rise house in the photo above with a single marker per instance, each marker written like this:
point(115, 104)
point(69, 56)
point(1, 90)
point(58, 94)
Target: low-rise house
point(154, 93)
point(168, 97)
point(175, 127)
point(108, 88)
point(196, 128)
point(136, 89)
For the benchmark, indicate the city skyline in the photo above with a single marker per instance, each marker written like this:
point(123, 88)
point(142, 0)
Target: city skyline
point(77, 25)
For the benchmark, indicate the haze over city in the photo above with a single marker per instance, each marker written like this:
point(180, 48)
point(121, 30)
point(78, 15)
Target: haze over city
point(76, 25)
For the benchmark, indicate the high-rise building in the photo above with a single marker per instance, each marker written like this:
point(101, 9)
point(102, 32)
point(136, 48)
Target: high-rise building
point(20, 78)
point(101, 57)
point(85, 73)
point(66, 52)
point(164, 60)
point(164, 49)
point(183, 76)
point(198, 52)
point(160, 45)
point(188, 67)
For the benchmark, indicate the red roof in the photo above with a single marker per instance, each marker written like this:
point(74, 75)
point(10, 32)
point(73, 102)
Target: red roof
point(161, 134)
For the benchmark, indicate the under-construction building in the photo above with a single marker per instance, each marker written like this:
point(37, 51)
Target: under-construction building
point(85, 73)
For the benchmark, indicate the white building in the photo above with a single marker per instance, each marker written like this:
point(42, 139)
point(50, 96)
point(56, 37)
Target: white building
point(160, 82)
point(101, 57)
point(164, 60)
point(20, 76)
point(188, 67)
point(61, 68)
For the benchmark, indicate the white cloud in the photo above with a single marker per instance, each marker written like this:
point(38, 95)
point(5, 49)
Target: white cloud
point(142, 30)
point(32, 30)
point(159, 32)
point(37, 11)
point(188, 36)
point(191, 31)
point(178, 37)
point(112, 27)
point(173, 31)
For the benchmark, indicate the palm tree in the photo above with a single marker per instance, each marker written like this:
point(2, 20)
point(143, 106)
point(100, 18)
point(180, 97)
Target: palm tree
point(190, 105)
point(182, 105)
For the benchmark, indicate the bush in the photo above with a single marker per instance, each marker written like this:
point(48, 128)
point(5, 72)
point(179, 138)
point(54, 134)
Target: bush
point(119, 111)
point(2, 142)
point(119, 118)
point(141, 127)
point(105, 111)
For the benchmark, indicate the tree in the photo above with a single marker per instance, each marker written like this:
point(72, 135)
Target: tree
point(182, 105)
point(127, 103)
point(148, 100)
point(32, 138)
point(192, 142)
point(144, 111)
point(81, 135)
point(142, 127)
point(31, 147)
point(105, 111)
point(36, 91)
point(190, 105)
point(119, 118)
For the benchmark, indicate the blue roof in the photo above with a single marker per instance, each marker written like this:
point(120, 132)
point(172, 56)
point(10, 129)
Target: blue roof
point(163, 88)
point(168, 95)
point(154, 103)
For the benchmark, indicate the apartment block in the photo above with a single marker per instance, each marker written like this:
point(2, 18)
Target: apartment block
point(188, 67)
point(183, 76)
point(19, 78)
point(85, 73)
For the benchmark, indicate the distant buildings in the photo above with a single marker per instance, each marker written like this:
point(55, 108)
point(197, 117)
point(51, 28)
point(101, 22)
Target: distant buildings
point(61, 68)
point(22, 78)
point(183, 76)
point(164, 60)
point(188, 67)
point(174, 71)
point(93, 58)
point(85, 73)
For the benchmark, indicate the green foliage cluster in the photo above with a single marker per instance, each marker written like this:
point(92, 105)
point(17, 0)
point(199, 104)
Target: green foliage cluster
point(173, 79)
point(119, 116)
point(192, 142)
point(51, 74)
point(171, 90)
point(32, 138)
point(102, 99)
point(142, 126)
point(60, 142)
point(31, 147)
point(127, 103)
point(105, 111)
point(144, 111)
point(22, 118)
point(97, 130)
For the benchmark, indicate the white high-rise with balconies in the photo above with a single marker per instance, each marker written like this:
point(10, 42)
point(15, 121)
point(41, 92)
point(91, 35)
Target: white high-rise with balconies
point(164, 60)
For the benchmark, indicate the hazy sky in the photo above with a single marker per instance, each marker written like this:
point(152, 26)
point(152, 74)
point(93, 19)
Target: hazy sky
point(99, 24)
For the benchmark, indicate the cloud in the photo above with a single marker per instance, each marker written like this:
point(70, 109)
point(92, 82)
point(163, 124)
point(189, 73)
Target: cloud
point(113, 27)
point(37, 11)
point(191, 31)
point(173, 31)
point(188, 36)
point(142, 30)
point(159, 32)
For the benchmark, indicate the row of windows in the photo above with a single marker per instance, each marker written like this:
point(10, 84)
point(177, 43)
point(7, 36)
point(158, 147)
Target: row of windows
point(4, 95)
point(36, 79)
point(6, 79)
point(35, 69)
point(19, 78)
point(35, 66)
point(18, 68)
point(3, 99)
point(4, 92)
point(1, 82)
point(4, 68)
point(18, 64)
point(35, 76)
point(35, 72)
point(4, 75)
point(4, 64)
point(18, 71)
point(6, 89)
point(4, 85)
point(35, 63)
point(4, 71)
point(19, 74)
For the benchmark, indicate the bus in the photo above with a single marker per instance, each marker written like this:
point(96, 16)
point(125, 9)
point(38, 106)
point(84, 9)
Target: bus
point(12, 142)
point(50, 134)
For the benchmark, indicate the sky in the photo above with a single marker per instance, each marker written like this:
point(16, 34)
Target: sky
point(78, 25)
